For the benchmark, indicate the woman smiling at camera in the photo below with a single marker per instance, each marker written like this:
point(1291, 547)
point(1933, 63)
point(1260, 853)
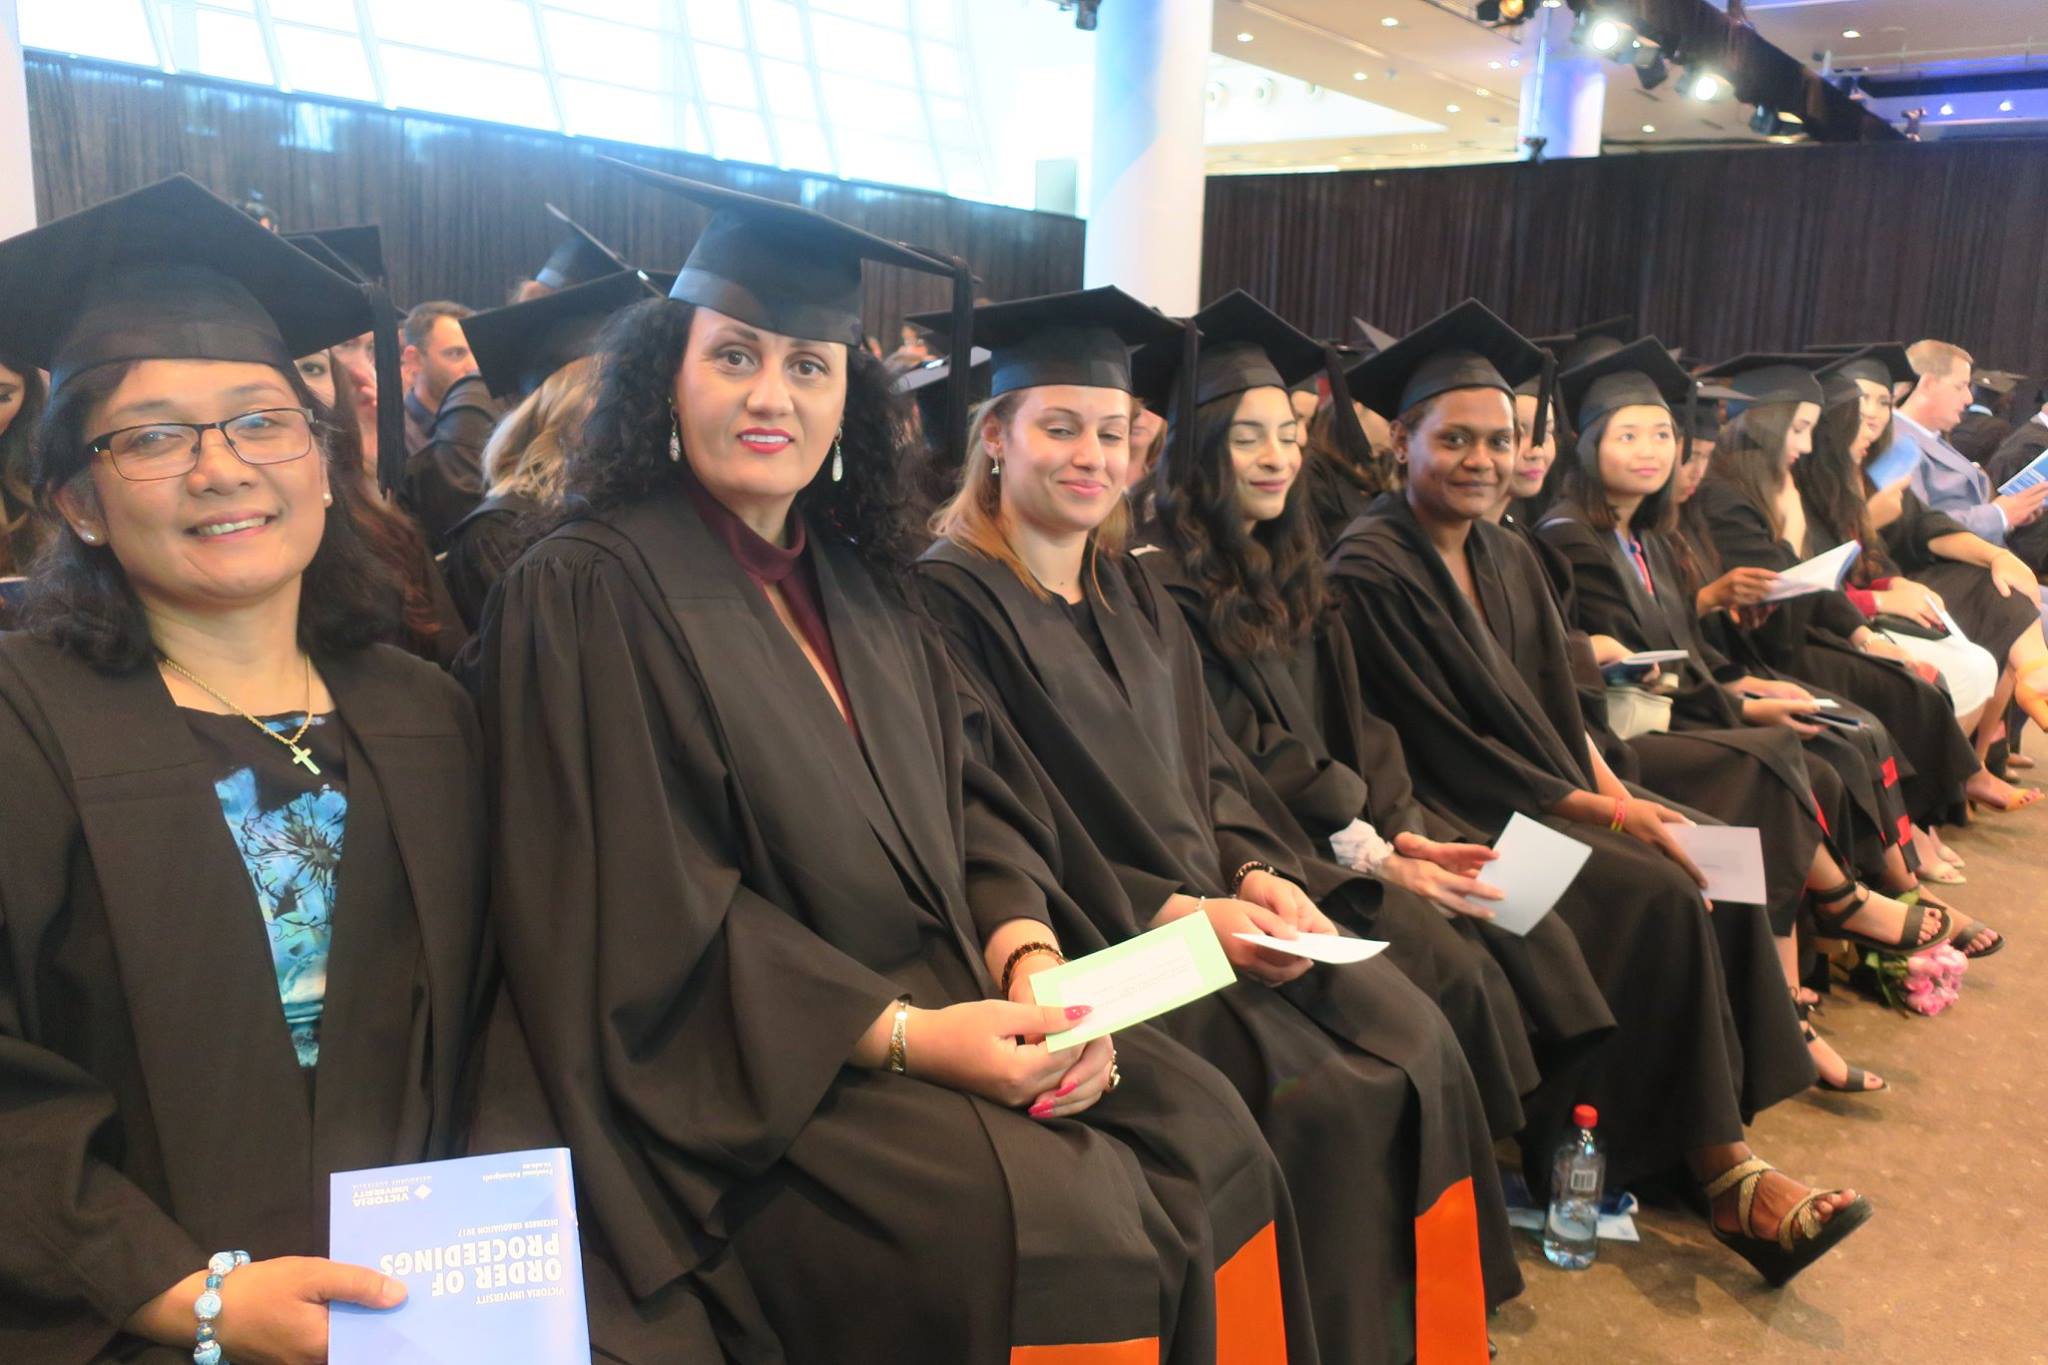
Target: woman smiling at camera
point(770, 924)
point(243, 865)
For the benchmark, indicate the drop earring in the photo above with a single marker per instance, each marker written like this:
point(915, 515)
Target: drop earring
point(838, 461)
point(995, 464)
point(675, 439)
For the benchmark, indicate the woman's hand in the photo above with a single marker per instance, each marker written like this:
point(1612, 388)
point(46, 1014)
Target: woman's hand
point(1877, 646)
point(1781, 711)
point(1229, 918)
point(1283, 897)
point(1886, 504)
point(1912, 601)
point(1651, 823)
point(1773, 687)
point(273, 1312)
point(1442, 874)
point(1086, 1078)
point(991, 1048)
point(1607, 650)
point(1743, 587)
point(2010, 574)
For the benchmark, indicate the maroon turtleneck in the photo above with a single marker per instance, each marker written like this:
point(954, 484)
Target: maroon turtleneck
point(771, 565)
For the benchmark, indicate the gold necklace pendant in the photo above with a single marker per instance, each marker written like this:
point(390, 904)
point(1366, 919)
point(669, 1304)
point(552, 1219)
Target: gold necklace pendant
point(302, 756)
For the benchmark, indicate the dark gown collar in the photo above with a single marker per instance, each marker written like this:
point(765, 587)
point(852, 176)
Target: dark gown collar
point(763, 560)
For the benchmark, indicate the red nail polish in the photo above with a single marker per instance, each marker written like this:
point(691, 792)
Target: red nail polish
point(1041, 1109)
point(1065, 1090)
point(1079, 1011)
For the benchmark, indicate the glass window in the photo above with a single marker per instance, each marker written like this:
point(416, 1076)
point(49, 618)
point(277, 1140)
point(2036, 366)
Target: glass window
point(113, 29)
point(339, 14)
point(738, 135)
point(953, 121)
point(216, 44)
point(938, 18)
point(873, 106)
point(942, 68)
point(725, 76)
point(789, 91)
point(645, 13)
point(457, 85)
point(895, 13)
point(609, 52)
point(844, 45)
point(489, 30)
point(804, 147)
point(596, 109)
point(325, 63)
point(890, 160)
point(778, 30)
point(716, 21)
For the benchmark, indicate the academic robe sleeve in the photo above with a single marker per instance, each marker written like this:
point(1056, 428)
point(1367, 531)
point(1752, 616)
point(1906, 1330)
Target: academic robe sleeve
point(444, 479)
point(1907, 539)
point(683, 1026)
point(1599, 601)
point(83, 1246)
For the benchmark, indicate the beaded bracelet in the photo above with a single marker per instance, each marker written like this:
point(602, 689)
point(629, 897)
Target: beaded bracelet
point(206, 1307)
point(1237, 880)
point(899, 1053)
point(1010, 967)
point(1620, 814)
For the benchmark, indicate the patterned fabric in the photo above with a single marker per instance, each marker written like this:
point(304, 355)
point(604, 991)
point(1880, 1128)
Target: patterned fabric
point(287, 824)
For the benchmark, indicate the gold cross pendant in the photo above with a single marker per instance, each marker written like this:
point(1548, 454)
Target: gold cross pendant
point(304, 758)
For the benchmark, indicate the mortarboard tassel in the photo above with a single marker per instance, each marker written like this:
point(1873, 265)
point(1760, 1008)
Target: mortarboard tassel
point(1351, 437)
point(391, 451)
point(1545, 396)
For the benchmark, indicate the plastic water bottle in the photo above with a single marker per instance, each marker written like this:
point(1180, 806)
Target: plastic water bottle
point(1571, 1229)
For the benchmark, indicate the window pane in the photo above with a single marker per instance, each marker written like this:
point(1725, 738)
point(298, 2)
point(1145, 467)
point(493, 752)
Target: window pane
point(895, 13)
point(940, 65)
point(870, 105)
point(594, 109)
point(789, 91)
point(457, 85)
point(716, 21)
point(938, 18)
point(804, 147)
point(490, 30)
point(737, 135)
point(216, 44)
point(609, 52)
point(953, 121)
point(114, 29)
point(889, 160)
point(324, 13)
point(844, 45)
point(725, 76)
point(645, 13)
point(325, 63)
point(778, 30)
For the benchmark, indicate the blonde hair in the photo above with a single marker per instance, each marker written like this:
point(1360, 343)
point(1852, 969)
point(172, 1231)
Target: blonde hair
point(973, 517)
point(1937, 357)
point(526, 455)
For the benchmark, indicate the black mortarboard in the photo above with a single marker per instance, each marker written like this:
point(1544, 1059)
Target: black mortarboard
point(519, 345)
point(579, 257)
point(1465, 348)
point(172, 272)
point(1835, 347)
point(1884, 363)
point(791, 270)
point(1641, 373)
point(361, 248)
point(324, 254)
point(928, 387)
point(1079, 338)
point(1375, 339)
point(1591, 342)
point(1766, 377)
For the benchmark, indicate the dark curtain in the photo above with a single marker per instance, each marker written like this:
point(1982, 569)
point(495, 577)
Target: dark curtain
point(1716, 251)
point(460, 202)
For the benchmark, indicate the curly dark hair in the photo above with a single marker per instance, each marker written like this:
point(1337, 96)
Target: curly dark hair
point(1835, 487)
point(79, 599)
point(1265, 587)
point(622, 456)
point(19, 530)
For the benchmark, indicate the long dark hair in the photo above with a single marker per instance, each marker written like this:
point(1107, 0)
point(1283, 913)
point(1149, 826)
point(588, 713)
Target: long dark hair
point(622, 457)
point(19, 531)
point(1584, 489)
point(1749, 456)
point(1264, 588)
point(1836, 489)
point(80, 600)
point(390, 534)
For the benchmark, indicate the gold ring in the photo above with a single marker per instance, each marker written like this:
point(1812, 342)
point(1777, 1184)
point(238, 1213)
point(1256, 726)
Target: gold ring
point(1116, 1077)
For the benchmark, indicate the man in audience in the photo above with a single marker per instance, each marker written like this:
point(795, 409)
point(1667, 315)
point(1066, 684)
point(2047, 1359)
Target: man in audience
point(448, 419)
point(1945, 479)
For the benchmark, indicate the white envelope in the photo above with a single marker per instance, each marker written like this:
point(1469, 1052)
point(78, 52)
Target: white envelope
point(1535, 865)
point(1333, 948)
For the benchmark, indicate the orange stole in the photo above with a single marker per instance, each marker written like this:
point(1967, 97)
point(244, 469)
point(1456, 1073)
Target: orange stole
point(1450, 1291)
point(1143, 1351)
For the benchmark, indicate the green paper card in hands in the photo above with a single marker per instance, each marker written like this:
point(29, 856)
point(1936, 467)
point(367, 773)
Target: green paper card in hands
point(1139, 979)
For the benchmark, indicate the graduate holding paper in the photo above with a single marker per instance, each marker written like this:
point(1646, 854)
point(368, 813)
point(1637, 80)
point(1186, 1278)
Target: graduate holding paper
point(1461, 648)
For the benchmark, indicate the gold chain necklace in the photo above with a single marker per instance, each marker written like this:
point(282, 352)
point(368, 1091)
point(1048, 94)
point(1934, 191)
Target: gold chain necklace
point(301, 756)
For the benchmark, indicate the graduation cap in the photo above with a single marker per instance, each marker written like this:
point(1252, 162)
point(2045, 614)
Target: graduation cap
point(1884, 363)
point(1640, 374)
point(579, 257)
point(1769, 377)
point(791, 270)
point(1591, 342)
point(173, 272)
point(1465, 348)
point(519, 345)
point(1375, 339)
point(360, 248)
point(927, 387)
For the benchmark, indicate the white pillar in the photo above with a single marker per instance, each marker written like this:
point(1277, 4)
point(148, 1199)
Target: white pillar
point(1146, 171)
point(1564, 98)
point(17, 178)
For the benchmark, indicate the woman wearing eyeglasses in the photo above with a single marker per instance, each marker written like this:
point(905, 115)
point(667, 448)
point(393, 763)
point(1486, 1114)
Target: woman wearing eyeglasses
point(242, 868)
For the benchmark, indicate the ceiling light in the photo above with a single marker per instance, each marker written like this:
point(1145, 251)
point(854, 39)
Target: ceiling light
point(1481, 91)
point(1452, 109)
point(1706, 85)
point(1946, 110)
point(2005, 106)
point(1244, 37)
point(1649, 127)
point(1358, 75)
point(1514, 61)
point(1852, 33)
point(1493, 66)
point(1390, 22)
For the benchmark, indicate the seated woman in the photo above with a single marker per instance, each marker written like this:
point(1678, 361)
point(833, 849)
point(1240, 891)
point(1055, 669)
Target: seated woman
point(1729, 750)
point(21, 406)
point(244, 860)
point(1919, 565)
point(1233, 542)
point(1460, 648)
point(1754, 517)
point(1355, 1076)
point(760, 904)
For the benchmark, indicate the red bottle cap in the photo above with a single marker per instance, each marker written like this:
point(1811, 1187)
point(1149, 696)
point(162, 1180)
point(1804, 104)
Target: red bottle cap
point(1585, 1116)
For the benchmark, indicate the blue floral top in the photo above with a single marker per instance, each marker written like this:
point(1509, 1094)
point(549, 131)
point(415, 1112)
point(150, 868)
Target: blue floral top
point(287, 822)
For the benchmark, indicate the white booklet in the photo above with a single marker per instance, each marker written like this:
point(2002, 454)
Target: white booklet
point(1823, 573)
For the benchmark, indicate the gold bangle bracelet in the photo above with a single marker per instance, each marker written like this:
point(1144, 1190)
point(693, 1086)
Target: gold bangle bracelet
point(899, 1056)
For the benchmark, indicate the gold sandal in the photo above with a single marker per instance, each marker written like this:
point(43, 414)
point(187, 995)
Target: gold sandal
point(1803, 1235)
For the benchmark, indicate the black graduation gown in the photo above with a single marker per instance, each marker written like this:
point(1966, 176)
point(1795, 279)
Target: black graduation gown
point(707, 888)
point(1488, 713)
point(1357, 1080)
point(1809, 639)
point(1276, 709)
point(483, 545)
point(1742, 774)
point(152, 1109)
point(443, 478)
point(1989, 618)
point(2014, 453)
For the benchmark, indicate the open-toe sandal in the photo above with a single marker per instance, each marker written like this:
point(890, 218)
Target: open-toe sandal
point(1834, 923)
point(1803, 1236)
point(1853, 1081)
point(1978, 940)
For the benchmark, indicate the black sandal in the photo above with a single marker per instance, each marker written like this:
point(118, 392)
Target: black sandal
point(1969, 941)
point(1853, 1080)
point(1803, 1237)
point(1834, 924)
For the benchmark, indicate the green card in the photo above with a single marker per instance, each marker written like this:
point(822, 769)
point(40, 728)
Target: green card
point(1139, 979)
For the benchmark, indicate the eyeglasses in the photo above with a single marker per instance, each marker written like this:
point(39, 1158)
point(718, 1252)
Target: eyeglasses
point(165, 450)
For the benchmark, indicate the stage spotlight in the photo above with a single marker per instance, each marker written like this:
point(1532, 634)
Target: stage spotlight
point(1599, 32)
point(1705, 85)
point(1651, 68)
point(1763, 119)
point(1501, 12)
